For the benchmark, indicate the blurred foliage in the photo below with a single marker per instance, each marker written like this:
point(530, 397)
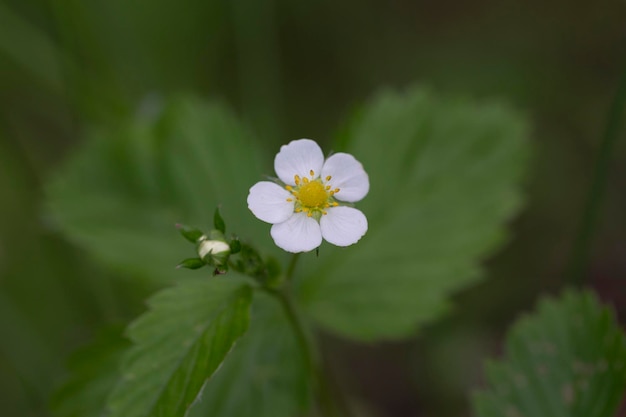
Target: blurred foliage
point(293, 70)
point(566, 360)
point(122, 194)
point(95, 371)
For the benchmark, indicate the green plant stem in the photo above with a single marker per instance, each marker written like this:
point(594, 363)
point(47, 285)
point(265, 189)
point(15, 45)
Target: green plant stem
point(324, 398)
point(292, 267)
point(582, 244)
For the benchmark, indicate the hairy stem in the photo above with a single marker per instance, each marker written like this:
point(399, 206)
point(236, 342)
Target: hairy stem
point(584, 239)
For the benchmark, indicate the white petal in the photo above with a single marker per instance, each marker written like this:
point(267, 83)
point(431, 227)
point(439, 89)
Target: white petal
point(343, 226)
point(298, 157)
point(298, 234)
point(348, 175)
point(268, 202)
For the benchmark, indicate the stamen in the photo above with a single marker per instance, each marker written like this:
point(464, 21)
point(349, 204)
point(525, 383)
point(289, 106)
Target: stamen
point(309, 214)
point(288, 187)
point(305, 180)
point(324, 212)
point(298, 210)
point(336, 190)
point(327, 187)
point(312, 173)
point(296, 179)
point(290, 199)
point(328, 178)
point(335, 204)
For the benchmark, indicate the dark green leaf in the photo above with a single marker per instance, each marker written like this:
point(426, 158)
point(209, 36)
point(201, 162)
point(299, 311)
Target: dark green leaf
point(445, 178)
point(566, 360)
point(179, 344)
point(264, 376)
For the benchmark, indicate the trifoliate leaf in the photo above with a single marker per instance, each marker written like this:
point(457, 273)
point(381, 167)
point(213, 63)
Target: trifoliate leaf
point(444, 179)
point(566, 360)
point(121, 194)
point(94, 372)
point(179, 344)
point(264, 376)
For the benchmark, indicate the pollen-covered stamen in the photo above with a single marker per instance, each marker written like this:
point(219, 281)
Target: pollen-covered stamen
point(312, 194)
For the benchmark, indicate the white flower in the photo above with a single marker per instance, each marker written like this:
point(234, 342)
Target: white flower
point(309, 205)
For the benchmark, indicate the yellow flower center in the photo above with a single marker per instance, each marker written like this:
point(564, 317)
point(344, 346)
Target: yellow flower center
point(312, 196)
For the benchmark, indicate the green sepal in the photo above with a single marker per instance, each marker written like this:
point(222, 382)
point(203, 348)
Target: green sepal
point(218, 221)
point(235, 246)
point(191, 263)
point(190, 233)
point(250, 263)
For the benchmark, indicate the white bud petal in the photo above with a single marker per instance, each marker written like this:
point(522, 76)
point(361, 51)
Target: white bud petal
point(214, 247)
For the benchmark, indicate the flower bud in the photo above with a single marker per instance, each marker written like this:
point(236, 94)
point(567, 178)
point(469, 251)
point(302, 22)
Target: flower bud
point(214, 250)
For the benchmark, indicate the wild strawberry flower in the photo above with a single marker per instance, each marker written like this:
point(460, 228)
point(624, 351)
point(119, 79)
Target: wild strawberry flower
point(309, 204)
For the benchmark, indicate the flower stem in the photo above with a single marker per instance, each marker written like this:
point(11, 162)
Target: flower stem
point(292, 266)
point(309, 345)
point(580, 253)
point(324, 398)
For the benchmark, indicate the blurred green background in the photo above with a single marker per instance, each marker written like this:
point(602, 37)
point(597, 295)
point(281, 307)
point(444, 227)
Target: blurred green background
point(291, 70)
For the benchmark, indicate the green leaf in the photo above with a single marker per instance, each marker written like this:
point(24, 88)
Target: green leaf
point(94, 372)
point(566, 360)
point(179, 344)
point(264, 376)
point(121, 194)
point(444, 179)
